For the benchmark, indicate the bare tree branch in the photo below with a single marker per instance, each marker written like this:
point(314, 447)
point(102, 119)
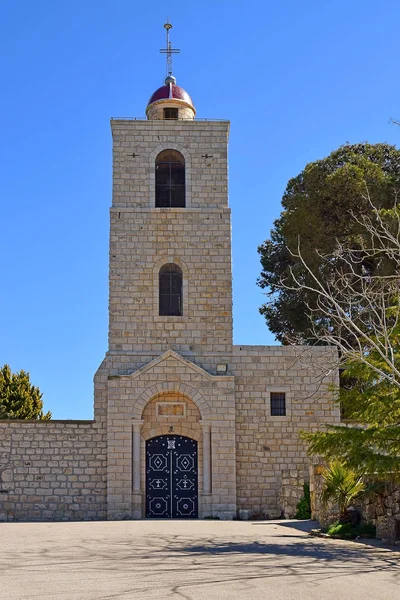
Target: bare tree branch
point(357, 310)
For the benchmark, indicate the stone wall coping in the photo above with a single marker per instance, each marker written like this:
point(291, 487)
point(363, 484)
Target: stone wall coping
point(185, 353)
point(50, 422)
point(241, 348)
point(185, 210)
point(169, 124)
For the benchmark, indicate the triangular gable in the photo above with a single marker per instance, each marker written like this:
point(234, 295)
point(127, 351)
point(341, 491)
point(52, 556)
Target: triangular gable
point(171, 354)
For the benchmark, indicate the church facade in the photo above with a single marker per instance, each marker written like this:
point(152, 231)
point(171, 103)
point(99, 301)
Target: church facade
point(186, 424)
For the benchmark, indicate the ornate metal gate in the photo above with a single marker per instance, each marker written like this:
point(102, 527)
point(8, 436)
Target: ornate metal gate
point(171, 478)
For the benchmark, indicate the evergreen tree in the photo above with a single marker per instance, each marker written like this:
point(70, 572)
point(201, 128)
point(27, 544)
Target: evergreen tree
point(19, 399)
point(323, 206)
point(364, 324)
point(368, 441)
point(353, 303)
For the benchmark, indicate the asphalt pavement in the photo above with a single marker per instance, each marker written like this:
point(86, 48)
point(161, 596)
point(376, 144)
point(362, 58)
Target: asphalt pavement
point(190, 560)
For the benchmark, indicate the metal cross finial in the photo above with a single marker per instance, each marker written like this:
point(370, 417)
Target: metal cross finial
point(169, 51)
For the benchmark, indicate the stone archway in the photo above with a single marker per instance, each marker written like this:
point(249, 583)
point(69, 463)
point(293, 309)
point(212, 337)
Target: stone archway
point(170, 413)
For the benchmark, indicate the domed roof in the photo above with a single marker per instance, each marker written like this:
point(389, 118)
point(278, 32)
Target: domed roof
point(170, 91)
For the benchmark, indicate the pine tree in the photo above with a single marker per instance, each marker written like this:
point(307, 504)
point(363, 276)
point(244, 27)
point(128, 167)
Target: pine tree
point(369, 439)
point(326, 204)
point(19, 399)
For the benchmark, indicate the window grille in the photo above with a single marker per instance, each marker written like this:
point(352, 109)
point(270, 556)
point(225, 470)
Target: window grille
point(170, 291)
point(170, 113)
point(170, 179)
point(278, 404)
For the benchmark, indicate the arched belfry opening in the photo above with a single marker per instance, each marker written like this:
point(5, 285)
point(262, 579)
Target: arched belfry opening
point(170, 179)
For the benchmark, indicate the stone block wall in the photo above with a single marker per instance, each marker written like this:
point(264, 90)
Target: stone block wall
point(134, 176)
point(328, 514)
point(383, 510)
point(272, 461)
point(142, 241)
point(197, 238)
point(52, 471)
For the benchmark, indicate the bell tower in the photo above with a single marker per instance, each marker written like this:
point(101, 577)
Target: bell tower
point(167, 375)
point(170, 246)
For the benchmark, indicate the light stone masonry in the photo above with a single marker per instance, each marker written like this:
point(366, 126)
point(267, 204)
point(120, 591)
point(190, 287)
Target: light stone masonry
point(173, 379)
point(52, 471)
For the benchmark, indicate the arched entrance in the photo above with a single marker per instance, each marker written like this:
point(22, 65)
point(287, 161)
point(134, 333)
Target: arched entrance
point(171, 477)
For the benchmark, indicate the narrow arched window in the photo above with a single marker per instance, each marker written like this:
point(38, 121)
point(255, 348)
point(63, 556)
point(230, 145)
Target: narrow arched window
point(170, 286)
point(170, 179)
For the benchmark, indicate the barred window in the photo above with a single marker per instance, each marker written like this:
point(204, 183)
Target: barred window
point(170, 113)
point(170, 179)
point(170, 290)
point(278, 404)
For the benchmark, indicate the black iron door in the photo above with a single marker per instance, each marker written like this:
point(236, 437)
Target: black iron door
point(171, 478)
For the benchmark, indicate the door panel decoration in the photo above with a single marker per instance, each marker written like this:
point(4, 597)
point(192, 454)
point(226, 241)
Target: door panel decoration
point(171, 478)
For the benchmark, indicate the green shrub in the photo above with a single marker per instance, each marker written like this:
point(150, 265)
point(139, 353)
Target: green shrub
point(341, 530)
point(345, 531)
point(304, 505)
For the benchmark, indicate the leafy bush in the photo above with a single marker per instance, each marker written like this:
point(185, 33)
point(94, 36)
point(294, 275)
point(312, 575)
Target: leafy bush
point(341, 530)
point(304, 505)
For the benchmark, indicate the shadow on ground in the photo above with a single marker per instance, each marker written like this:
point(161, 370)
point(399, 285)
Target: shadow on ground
point(306, 526)
point(170, 564)
point(293, 551)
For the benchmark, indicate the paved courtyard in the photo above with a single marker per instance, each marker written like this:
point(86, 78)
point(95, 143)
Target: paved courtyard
point(192, 560)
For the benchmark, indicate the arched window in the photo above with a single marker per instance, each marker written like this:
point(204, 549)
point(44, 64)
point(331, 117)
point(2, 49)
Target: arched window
point(170, 179)
point(170, 286)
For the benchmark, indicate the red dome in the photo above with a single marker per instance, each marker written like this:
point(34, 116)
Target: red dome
point(171, 91)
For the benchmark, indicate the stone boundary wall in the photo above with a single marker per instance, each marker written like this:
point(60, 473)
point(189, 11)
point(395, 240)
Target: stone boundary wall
point(52, 471)
point(325, 515)
point(383, 510)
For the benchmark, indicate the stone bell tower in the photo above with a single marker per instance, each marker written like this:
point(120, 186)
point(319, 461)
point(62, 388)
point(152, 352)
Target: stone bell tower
point(186, 425)
point(166, 378)
point(170, 207)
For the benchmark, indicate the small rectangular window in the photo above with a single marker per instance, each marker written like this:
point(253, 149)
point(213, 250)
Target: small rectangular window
point(278, 404)
point(170, 113)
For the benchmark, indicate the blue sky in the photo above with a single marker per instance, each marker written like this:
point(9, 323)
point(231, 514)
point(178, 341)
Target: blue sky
point(296, 80)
